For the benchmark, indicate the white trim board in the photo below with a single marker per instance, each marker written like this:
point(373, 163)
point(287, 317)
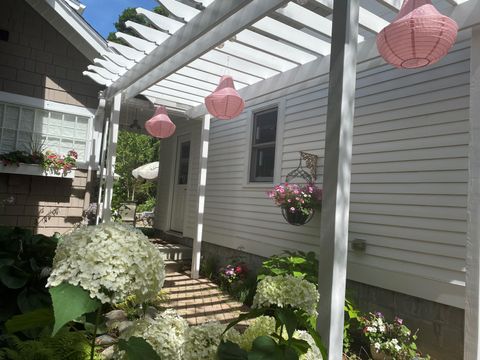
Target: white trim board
point(45, 104)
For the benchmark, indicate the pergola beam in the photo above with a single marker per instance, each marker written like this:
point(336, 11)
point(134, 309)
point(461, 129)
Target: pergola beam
point(204, 32)
point(190, 37)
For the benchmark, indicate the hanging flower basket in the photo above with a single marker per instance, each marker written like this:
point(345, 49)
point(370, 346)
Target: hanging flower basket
point(298, 202)
point(297, 218)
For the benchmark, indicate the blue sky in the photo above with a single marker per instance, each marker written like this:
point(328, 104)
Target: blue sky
point(102, 14)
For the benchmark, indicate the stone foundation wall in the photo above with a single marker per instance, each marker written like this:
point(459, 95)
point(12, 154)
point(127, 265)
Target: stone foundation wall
point(440, 326)
point(42, 204)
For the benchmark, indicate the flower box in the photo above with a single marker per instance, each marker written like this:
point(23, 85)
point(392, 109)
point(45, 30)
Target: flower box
point(33, 170)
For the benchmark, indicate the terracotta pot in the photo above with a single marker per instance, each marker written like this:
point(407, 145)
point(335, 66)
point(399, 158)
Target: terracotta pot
point(297, 218)
point(379, 355)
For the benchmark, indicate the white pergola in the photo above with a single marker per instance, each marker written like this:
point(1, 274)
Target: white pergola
point(270, 45)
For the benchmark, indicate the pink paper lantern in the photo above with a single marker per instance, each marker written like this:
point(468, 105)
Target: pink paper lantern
point(418, 36)
point(225, 103)
point(160, 125)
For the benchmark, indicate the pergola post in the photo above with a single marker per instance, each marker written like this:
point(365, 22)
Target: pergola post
point(337, 170)
point(202, 182)
point(472, 291)
point(111, 157)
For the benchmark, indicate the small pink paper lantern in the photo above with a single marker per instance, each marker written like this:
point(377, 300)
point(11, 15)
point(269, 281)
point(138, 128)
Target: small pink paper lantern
point(160, 125)
point(225, 103)
point(418, 36)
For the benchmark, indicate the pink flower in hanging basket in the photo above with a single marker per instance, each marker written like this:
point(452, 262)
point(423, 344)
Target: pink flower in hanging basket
point(225, 103)
point(418, 36)
point(160, 125)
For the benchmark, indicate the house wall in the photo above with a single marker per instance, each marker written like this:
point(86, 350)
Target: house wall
point(38, 61)
point(408, 195)
point(42, 204)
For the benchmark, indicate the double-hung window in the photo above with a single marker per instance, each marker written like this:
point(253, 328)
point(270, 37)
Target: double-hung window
point(262, 164)
point(26, 129)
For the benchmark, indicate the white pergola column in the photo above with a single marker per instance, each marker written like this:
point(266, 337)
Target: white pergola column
point(202, 182)
point(111, 157)
point(472, 293)
point(101, 170)
point(337, 170)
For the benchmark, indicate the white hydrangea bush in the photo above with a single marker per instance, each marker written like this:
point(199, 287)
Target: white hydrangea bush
point(110, 261)
point(260, 326)
point(202, 341)
point(287, 290)
point(314, 352)
point(165, 333)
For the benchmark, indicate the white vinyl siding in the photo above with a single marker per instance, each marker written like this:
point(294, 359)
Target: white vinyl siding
point(409, 177)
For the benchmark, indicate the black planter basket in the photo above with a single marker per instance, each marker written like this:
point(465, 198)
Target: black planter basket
point(297, 218)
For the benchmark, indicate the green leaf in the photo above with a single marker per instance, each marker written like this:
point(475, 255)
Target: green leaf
point(70, 302)
point(297, 260)
point(34, 319)
point(6, 261)
point(265, 348)
point(288, 318)
point(231, 351)
point(138, 349)
point(13, 277)
point(247, 316)
point(31, 299)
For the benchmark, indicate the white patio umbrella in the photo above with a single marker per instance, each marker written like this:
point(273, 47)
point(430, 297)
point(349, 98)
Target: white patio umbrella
point(148, 171)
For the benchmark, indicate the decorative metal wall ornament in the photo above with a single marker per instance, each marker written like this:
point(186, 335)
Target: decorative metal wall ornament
point(311, 160)
point(160, 125)
point(418, 36)
point(225, 102)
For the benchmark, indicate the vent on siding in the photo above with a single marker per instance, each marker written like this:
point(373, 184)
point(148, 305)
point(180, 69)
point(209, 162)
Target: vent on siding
point(4, 34)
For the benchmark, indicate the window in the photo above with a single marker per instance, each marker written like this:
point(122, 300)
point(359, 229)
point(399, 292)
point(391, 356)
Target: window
point(264, 135)
point(21, 128)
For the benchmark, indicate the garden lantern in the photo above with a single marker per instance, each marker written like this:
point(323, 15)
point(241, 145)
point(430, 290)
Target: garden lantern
point(160, 125)
point(418, 36)
point(225, 103)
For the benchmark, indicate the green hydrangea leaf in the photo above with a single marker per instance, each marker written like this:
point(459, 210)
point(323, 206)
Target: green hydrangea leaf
point(70, 302)
point(231, 351)
point(138, 349)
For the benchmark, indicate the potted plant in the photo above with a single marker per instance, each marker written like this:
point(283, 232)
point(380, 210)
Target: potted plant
point(298, 202)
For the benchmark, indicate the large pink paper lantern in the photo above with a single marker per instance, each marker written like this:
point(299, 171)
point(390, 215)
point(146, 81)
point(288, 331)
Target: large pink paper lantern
point(418, 36)
point(160, 125)
point(225, 103)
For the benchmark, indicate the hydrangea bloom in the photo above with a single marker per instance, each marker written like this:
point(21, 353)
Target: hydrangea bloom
point(261, 326)
point(314, 352)
point(202, 341)
point(166, 334)
point(287, 290)
point(110, 261)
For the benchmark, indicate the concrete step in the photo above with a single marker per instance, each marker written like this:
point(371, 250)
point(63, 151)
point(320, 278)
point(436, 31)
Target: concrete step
point(177, 265)
point(174, 251)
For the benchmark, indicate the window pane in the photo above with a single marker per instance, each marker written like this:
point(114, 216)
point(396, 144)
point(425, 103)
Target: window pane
point(11, 117)
point(41, 124)
point(2, 107)
point(8, 140)
point(183, 165)
point(55, 115)
point(265, 127)
point(26, 120)
point(79, 147)
point(264, 164)
point(24, 141)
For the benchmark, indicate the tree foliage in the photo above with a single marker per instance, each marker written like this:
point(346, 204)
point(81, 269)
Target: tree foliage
point(134, 150)
point(131, 14)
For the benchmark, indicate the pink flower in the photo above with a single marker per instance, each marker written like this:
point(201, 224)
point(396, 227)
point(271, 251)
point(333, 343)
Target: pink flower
point(292, 209)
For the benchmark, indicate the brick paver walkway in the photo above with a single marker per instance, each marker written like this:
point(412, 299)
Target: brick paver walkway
point(200, 301)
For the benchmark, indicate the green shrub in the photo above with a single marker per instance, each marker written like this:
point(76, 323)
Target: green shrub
point(297, 263)
point(25, 262)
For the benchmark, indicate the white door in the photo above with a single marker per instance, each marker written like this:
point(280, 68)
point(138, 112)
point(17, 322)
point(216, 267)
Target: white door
point(181, 184)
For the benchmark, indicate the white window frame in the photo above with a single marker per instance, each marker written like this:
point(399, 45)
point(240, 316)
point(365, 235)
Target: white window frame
point(277, 169)
point(47, 105)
